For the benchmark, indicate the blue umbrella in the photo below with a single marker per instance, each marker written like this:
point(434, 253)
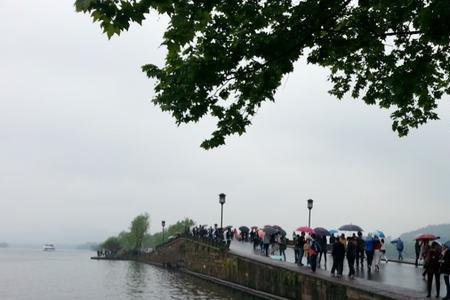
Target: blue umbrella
point(379, 233)
point(332, 231)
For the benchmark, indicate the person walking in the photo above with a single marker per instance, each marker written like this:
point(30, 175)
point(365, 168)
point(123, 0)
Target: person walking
point(417, 250)
point(383, 251)
point(332, 239)
point(301, 244)
point(323, 249)
point(445, 269)
point(306, 247)
point(275, 243)
point(433, 269)
point(368, 247)
point(359, 249)
point(228, 238)
point(296, 249)
point(377, 253)
point(351, 255)
point(400, 248)
point(314, 250)
point(266, 242)
point(424, 249)
point(283, 246)
point(338, 254)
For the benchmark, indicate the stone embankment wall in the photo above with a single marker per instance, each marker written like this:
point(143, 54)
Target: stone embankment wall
point(212, 262)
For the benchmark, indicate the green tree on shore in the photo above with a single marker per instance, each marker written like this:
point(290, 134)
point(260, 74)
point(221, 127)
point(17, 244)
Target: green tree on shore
point(138, 229)
point(225, 58)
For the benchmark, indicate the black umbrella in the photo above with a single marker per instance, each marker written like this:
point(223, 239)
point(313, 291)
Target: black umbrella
point(244, 229)
point(280, 230)
point(270, 230)
point(320, 231)
point(350, 227)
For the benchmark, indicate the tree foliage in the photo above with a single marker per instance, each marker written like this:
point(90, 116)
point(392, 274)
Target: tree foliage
point(138, 229)
point(172, 230)
point(226, 57)
point(112, 244)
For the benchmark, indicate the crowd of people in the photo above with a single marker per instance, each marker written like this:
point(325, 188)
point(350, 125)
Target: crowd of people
point(311, 250)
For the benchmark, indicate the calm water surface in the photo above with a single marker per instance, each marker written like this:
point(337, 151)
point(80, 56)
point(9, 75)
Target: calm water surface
point(70, 274)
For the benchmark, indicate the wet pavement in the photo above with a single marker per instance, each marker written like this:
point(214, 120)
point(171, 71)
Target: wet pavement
point(393, 273)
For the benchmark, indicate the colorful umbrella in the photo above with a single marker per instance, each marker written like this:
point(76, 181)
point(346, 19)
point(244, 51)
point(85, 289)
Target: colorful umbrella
point(350, 227)
point(305, 229)
point(320, 231)
point(426, 237)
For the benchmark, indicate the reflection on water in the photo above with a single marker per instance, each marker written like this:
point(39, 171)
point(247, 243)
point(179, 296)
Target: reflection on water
point(32, 274)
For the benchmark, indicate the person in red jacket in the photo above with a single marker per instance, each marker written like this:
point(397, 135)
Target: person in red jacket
point(433, 266)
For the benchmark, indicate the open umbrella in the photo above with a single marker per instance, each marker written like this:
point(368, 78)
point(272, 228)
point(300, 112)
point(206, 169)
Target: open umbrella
point(379, 233)
point(426, 237)
point(280, 230)
point(320, 231)
point(350, 227)
point(244, 229)
point(447, 243)
point(305, 229)
point(332, 231)
point(255, 227)
point(270, 230)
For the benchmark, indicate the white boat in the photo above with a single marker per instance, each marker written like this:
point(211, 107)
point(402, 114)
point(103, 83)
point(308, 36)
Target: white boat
point(49, 247)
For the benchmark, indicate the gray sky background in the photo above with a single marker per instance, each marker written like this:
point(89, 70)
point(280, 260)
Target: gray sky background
point(83, 151)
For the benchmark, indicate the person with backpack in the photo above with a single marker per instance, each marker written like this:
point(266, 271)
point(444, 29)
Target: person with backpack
point(314, 250)
point(368, 247)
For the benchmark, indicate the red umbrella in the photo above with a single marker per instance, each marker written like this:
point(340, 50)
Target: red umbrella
point(305, 229)
point(426, 237)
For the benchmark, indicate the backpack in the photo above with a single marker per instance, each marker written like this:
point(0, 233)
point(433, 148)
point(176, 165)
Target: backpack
point(314, 249)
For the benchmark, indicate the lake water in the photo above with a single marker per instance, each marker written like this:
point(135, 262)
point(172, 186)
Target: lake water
point(71, 274)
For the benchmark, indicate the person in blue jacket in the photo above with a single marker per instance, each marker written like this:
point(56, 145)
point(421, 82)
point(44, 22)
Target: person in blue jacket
point(400, 248)
point(368, 247)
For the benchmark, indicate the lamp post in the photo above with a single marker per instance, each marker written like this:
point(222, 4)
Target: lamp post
point(163, 224)
point(222, 202)
point(310, 206)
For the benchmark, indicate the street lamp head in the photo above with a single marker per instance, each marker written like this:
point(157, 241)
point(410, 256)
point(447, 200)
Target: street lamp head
point(222, 198)
point(310, 203)
point(163, 223)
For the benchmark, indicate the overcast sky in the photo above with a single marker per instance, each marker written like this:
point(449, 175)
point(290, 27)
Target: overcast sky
point(83, 150)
